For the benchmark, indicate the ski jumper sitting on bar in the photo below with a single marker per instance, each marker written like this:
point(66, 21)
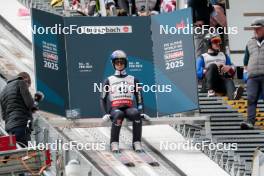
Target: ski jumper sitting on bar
point(120, 90)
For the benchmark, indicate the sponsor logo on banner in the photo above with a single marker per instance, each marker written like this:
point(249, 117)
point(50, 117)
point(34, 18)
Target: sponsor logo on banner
point(106, 29)
point(50, 56)
point(173, 55)
point(181, 24)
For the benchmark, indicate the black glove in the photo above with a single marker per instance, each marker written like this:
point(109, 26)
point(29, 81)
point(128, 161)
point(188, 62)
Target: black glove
point(39, 96)
point(35, 107)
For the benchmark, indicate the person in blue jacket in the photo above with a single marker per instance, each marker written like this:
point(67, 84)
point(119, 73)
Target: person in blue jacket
point(217, 70)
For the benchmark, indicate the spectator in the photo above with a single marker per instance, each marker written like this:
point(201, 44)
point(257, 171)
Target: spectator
point(254, 69)
point(201, 10)
point(167, 6)
point(17, 106)
point(146, 8)
point(218, 17)
point(122, 12)
point(139, 7)
point(75, 4)
point(217, 70)
point(127, 6)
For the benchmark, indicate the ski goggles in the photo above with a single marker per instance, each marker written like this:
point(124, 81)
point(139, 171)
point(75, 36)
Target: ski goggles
point(120, 61)
point(216, 40)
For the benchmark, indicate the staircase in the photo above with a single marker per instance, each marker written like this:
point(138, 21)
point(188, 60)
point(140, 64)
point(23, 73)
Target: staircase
point(226, 117)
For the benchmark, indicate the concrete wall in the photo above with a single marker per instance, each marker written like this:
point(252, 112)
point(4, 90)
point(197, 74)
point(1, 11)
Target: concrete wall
point(235, 17)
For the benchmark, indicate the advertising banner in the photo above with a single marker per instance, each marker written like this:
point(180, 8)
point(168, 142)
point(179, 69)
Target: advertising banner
point(50, 61)
point(162, 60)
point(174, 61)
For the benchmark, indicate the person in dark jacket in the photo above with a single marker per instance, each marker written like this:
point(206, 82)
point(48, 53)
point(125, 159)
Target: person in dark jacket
point(17, 106)
point(201, 11)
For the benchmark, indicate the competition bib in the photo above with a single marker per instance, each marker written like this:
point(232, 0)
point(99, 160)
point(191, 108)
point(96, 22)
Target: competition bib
point(121, 91)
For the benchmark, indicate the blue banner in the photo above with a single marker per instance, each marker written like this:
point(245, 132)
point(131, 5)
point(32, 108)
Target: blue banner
point(50, 61)
point(78, 61)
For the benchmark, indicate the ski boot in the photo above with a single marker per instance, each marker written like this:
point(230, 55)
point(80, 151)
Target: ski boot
point(114, 147)
point(137, 147)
